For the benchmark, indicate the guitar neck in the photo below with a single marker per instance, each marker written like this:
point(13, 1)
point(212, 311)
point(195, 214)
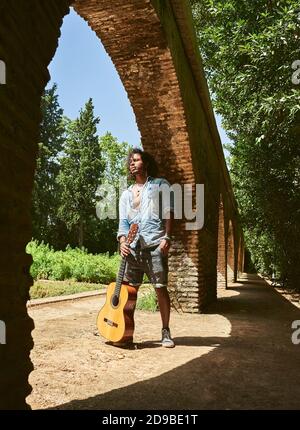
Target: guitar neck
point(120, 276)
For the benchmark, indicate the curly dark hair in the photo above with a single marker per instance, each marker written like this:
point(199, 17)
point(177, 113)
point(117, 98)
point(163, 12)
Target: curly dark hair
point(148, 160)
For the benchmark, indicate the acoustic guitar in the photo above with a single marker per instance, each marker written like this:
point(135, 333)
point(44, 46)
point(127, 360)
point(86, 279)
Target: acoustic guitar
point(115, 320)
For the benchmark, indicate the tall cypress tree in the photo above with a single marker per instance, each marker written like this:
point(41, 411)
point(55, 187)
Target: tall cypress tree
point(45, 198)
point(114, 154)
point(81, 171)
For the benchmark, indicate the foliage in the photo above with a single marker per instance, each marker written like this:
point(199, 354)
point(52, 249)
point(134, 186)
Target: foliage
point(81, 170)
point(114, 156)
point(41, 289)
point(147, 300)
point(75, 264)
point(72, 162)
point(45, 223)
point(248, 49)
point(75, 270)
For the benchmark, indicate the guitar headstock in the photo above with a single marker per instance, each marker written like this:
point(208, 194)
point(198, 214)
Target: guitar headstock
point(132, 233)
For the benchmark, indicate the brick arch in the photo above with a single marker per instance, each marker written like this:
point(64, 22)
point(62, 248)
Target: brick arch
point(133, 36)
point(154, 48)
point(142, 56)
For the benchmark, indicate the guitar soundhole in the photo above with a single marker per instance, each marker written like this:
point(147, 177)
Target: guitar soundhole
point(115, 301)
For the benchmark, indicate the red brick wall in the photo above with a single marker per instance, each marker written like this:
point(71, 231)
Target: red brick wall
point(230, 254)
point(222, 255)
point(29, 32)
point(150, 44)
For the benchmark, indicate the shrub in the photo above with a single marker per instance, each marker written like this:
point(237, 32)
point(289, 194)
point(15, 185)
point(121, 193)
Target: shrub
point(147, 300)
point(76, 264)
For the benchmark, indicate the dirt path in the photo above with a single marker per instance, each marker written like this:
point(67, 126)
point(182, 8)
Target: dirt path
point(237, 356)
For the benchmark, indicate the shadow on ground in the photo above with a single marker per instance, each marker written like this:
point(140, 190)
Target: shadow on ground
point(256, 367)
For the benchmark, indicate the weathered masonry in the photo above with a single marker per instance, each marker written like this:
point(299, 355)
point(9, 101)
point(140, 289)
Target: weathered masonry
point(153, 47)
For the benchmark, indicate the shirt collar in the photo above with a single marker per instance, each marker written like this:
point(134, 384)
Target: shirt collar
point(149, 178)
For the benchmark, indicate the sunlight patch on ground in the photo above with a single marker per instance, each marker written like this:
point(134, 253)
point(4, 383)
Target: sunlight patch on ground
point(73, 362)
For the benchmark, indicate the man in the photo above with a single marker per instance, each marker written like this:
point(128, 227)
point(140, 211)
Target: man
point(145, 204)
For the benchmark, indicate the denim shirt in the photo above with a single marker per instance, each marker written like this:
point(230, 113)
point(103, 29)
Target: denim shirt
point(149, 215)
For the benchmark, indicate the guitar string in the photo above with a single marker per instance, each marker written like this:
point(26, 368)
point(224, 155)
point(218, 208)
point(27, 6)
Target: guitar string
point(120, 277)
point(122, 267)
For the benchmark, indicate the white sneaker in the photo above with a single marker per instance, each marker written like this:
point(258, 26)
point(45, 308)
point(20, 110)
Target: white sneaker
point(166, 339)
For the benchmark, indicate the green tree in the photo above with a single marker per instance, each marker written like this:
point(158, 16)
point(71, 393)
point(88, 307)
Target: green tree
point(114, 155)
point(45, 198)
point(80, 174)
point(248, 49)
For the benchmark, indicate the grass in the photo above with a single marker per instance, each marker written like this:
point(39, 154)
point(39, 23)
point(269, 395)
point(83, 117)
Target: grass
point(46, 288)
point(59, 273)
point(147, 300)
point(72, 264)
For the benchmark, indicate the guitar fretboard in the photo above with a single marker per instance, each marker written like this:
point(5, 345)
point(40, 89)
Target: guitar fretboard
point(120, 277)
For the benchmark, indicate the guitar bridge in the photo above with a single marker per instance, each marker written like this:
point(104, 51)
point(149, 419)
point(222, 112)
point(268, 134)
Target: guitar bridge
point(111, 323)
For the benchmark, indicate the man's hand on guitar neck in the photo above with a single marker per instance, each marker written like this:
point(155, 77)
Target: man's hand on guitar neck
point(124, 248)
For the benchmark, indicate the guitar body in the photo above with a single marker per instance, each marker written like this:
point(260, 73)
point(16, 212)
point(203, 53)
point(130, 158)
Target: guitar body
point(115, 322)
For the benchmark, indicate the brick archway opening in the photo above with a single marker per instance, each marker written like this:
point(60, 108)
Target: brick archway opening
point(153, 46)
point(133, 36)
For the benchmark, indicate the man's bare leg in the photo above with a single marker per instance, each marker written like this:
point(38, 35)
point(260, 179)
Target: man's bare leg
point(164, 305)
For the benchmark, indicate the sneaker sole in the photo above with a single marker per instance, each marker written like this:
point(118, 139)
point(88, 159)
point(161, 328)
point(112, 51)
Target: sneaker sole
point(168, 346)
